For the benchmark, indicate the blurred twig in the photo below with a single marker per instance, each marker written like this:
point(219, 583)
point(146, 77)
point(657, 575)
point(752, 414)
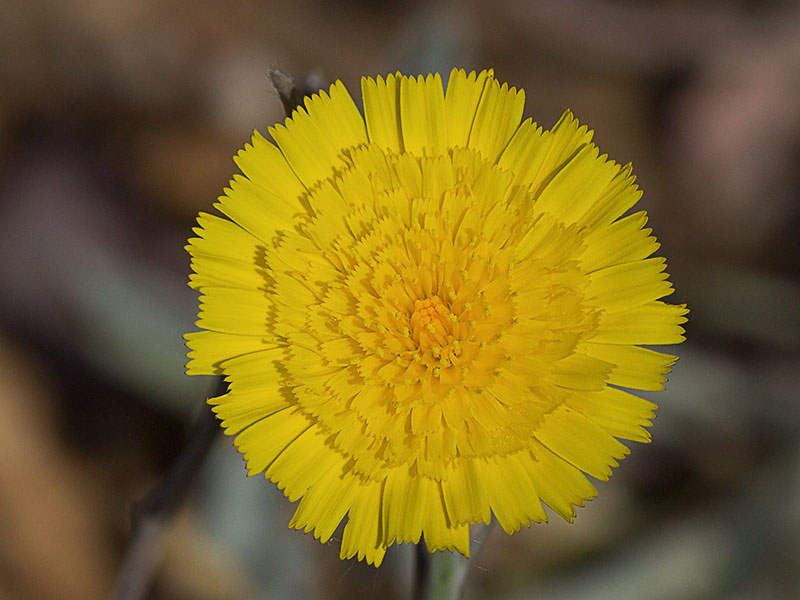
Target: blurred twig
point(292, 93)
point(155, 513)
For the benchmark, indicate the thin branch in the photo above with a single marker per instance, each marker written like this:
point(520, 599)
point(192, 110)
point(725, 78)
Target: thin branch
point(155, 513)
point(292, 93)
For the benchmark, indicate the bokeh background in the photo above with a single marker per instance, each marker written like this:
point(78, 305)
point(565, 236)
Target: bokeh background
point(118, 120)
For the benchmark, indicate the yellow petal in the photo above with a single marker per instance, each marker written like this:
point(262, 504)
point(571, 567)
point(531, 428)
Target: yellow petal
point(313, 138)
point(325, 505)
point(259, 369)
point(382, 111)
point(512, 494)
point(263, 162)
point(361, 534)
point(422, 115)
point(624, 240)
point(636, 368)
point(209, 348)
point(405, 500)
point(441, 533)
point(466, 492)
point(534, 155)
point(223, 239)
point(559, 484)
point(304, 461)
point(581, 372)
point(239, 410)
point(497, 118)
point(651, 323)
point(254, 208)
point(227, 273)
point(580, 442)
point(231, 310)
point(461, 103)
point(629, 285)
point(616, 198)
point(574, 190)
point(621, 414)
point(269, 195)
point(264, 440)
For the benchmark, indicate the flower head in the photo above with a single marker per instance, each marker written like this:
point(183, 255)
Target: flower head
point(426, 314)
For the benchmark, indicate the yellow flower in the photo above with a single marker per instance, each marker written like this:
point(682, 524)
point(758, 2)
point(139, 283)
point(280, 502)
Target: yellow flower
point(426, 314)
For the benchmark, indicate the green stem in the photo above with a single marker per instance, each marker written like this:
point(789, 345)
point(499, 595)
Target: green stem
point(441, 575)
point(447, 573)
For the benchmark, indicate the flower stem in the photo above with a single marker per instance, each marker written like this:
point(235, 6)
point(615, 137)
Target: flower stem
point(441, 575)
point(448, 570)
point(422, 567)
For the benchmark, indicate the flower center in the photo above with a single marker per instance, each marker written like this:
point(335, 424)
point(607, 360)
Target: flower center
point(432, 326)
point(430, 323)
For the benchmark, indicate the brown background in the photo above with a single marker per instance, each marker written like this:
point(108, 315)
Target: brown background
point(118, 120)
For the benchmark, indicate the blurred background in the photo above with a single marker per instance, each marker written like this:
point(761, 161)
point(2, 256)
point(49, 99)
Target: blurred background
point(118, 121)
